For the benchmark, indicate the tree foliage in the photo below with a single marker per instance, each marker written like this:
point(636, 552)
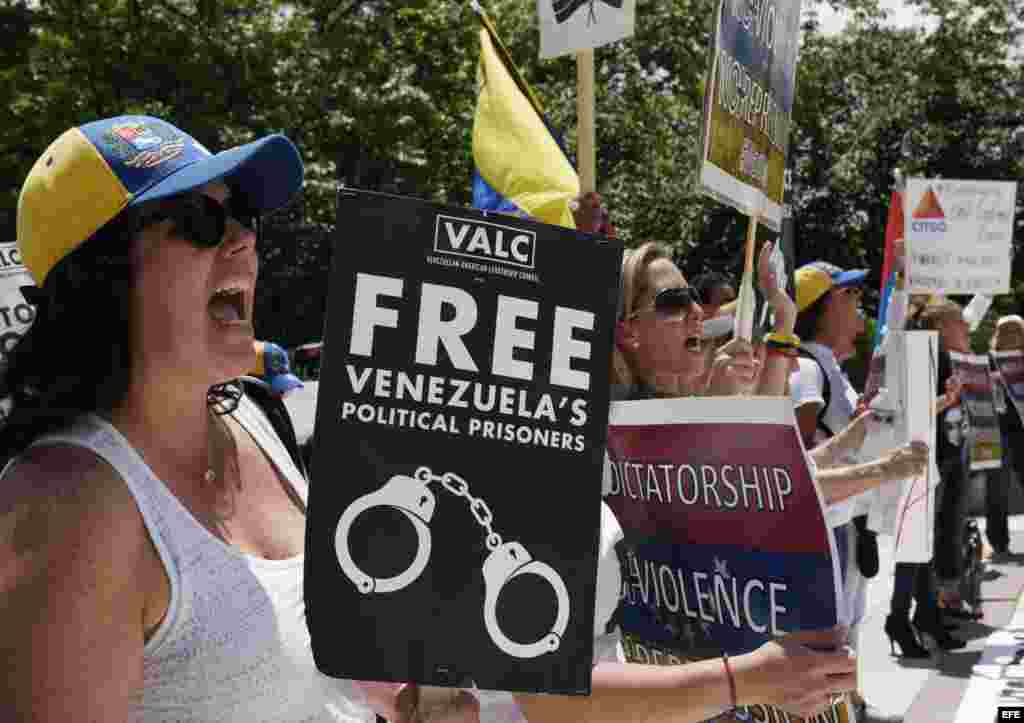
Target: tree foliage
point(381, 95)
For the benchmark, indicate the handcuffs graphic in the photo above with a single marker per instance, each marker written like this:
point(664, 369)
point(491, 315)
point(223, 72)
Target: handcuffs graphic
point(413, 498)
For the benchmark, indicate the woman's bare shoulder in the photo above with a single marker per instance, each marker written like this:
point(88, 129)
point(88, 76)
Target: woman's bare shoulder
point(73, 572)
point(65, 501)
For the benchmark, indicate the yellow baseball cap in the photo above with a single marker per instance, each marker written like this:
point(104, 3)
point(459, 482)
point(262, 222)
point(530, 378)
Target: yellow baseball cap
point(93, 172)
point(817, 278)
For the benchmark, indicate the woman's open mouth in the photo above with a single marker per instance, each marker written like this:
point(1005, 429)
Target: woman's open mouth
point(227, 305)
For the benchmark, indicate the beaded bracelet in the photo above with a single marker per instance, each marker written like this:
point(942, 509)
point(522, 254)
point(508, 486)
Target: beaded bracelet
point(786, 351)
point(775, 338)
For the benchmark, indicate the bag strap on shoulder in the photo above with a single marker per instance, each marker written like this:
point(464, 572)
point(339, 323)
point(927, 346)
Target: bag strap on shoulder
point(277, 413)
point(826, 390)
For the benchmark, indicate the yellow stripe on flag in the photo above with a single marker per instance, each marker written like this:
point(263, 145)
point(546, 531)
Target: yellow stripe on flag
point(513, 149)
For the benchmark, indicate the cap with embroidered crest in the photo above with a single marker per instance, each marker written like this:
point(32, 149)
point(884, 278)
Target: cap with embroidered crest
point(93, 172)
point(272, 367)
point(817, 278)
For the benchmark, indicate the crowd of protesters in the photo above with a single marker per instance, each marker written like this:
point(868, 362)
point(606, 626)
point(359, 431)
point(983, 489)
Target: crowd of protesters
point(152, 516)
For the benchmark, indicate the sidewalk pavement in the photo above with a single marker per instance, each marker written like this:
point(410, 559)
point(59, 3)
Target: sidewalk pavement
point(931, 691)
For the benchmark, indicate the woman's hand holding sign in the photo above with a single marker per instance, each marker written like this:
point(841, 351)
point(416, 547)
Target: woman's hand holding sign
point(799, 673)
point(411, 703)
point(905, 462)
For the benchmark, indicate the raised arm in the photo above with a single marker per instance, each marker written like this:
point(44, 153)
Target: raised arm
point(777, 367)
point(73, 571)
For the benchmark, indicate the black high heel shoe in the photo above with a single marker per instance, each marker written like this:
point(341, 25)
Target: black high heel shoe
point(899, 630)
point(933, 627)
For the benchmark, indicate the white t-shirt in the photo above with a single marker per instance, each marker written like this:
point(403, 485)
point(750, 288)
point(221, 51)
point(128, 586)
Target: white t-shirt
point(500, 706)
point(807, 387)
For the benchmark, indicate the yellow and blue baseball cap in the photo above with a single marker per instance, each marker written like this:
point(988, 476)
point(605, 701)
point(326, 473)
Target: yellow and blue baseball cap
point(817, 278)
point(273, 368)
point(93, 172)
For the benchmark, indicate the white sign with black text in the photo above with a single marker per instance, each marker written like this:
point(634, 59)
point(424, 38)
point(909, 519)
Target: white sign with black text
point(959, 235)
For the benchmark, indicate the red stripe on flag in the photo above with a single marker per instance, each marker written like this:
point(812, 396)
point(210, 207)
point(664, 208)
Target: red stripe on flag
point(893, 231)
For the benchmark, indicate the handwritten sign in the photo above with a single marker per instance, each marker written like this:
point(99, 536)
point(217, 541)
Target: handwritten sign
point(959, 235)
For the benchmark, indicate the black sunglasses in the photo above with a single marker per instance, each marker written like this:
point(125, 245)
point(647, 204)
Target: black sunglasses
point(673, 299)
point(679, 297)
point(199, 218)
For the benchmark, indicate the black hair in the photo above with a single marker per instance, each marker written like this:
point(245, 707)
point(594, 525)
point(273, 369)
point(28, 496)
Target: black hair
point(707, 281)
point(808, 320)
point(74, 358)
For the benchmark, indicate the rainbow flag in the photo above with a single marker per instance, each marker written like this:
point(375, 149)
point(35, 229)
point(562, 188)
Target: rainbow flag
point(520, 166)
point(893, 231)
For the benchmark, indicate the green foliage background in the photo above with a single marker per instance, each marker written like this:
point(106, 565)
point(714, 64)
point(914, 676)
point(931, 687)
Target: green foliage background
point(381, 95)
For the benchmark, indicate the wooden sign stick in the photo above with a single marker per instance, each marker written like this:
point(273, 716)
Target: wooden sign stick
point(585, 135)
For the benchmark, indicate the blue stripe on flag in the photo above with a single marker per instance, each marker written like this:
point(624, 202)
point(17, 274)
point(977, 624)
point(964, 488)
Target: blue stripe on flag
point(487, 199)
point(881, 328)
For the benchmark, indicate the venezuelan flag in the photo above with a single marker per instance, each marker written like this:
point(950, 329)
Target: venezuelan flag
point(520, 167)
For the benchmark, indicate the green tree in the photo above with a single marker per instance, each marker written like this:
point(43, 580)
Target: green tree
point(381, 94)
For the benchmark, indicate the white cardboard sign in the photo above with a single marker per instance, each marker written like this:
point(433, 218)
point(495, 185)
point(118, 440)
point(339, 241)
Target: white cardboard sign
point(959, 235)
point(568, 26)
point(915, 513)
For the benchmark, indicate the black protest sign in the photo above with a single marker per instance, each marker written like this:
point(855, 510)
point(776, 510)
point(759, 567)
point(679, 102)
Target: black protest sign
point(454, 510)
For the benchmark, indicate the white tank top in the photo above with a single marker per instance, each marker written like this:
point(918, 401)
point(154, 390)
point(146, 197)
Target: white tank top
point(233, 645)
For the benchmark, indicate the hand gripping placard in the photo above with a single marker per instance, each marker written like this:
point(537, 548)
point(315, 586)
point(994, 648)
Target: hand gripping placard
point(506, 560)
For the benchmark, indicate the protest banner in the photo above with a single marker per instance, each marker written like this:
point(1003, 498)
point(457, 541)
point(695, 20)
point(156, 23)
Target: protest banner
point(914, 526)
point(959, 235)
point(1011, 371)
point(569, 26)
point(985, 448)
point(459, 445)
point(748, 101)
point(725, 545)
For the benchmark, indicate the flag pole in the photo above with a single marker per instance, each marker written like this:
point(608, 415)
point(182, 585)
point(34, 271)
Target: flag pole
point(585, 134)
